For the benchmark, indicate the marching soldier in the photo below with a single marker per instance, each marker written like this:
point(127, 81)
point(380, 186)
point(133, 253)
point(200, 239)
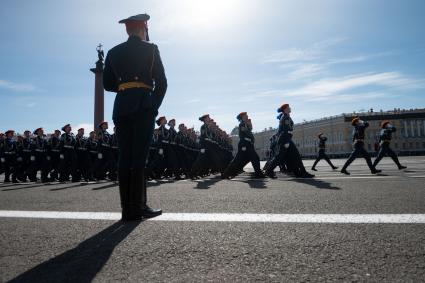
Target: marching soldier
point(135, 72)
point(54, 153)
point(358, 146)
point(104, 150)
point(322, 152)
point(8, 157)
point(82, 156)
point(288, 152)
point(172, 155)
point(26, 151)
point(385, 137)
point(246, 150)
point(92, 148)
point(39, 161)
point(68, 156)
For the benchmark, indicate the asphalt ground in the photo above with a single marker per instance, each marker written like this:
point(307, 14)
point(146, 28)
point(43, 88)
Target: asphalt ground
point(69, 250)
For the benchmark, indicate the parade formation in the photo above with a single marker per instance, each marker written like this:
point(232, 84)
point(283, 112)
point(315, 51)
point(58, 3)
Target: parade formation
point(136, 151)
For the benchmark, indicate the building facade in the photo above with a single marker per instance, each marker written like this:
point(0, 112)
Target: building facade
point(409, 139)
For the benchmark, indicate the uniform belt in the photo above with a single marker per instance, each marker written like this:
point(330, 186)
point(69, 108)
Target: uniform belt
point(68, 146)
point(114, 147)
point(9, 152)
point(40, 150)
point(26, 150)
point(165, 142)
point(93, 151)
point(82, 148)
point(358, 140)
point(247, 139)
point(128, 85)
point(55, 150)
point(290, 132)
point(105, 144)
point(173, 143)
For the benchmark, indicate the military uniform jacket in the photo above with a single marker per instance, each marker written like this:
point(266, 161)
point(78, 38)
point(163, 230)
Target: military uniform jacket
point(286, 127)
point(27, 146)
point(67, 142)
point(245, 134)
point(322, 142)
point(81, 143)
point(114, 141)
point(135, 61)
point(40, 145)
point(54, 144)
point(104, 139)
point(385, 135)
point(359, 132)
point(8, 147)
point(163, 136)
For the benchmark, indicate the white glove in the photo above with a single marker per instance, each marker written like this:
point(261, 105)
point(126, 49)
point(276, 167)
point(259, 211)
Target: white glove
point(3, 160)
point(161, 151)
point(19, 159)
point(202, 150)
point(100, 155)
point(244, 148)
point(61, 156)
point(48, 158)
point(286, 145)
point(32, 158)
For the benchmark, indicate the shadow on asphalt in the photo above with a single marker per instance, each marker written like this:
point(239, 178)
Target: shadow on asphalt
point(255, 183)
point(105, 186)
point(205, 184)
point(20, 187)
point(82, 263)
point(71, 186)
point(319, 184)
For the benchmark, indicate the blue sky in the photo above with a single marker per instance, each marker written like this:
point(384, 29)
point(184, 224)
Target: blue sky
point(221, 57)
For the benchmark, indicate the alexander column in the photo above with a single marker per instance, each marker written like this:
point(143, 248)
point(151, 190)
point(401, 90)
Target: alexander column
point(98, 88)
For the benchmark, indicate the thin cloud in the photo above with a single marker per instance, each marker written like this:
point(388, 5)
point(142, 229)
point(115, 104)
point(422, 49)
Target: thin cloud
point(20, 87)
point(338, 85)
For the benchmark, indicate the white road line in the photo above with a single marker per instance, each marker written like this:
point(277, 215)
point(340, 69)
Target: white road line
point(231, 217)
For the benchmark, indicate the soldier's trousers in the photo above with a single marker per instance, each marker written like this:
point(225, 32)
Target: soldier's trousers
point(40, 163)
point(322, 155)
point(83, 167)
point(246, 153)
point(359, 151)
point(54, 165)
point(9, 167)
point(385, 149)
point(134, 135)
point(68, 165)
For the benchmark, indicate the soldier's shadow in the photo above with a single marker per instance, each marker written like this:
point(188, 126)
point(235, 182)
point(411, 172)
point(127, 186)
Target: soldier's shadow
point(255, 183)
point(82, 263)
point(205, 184)
point(28, 186)
point(319, 184)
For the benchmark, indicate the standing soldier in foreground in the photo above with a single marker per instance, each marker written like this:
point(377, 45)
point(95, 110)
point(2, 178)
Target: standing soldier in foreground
point(359, 146)
point(134, 71)
point(385, 136)
point(322, 152)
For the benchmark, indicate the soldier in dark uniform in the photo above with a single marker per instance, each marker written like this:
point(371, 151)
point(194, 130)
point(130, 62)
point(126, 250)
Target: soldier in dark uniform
point(1, 147)
point(322, 152)
point(135, 72)
point(8, 157)
point(173, 162)
point(39, 160)
point(68, 156)
point(288, 152)
point(26, 152)
point(83, 159)
point(104, 151)
point(358, 146)
point(385, 136)
point(54, 153)
point(246, 150)
point(92, 152)
point(201, 163)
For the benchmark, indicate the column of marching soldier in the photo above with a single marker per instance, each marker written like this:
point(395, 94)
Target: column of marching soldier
point(172, 154)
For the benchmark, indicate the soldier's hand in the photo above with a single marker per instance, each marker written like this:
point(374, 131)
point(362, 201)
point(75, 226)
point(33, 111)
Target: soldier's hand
point(286, 145)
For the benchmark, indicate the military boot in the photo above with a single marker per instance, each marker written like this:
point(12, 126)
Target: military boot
point(124, 186)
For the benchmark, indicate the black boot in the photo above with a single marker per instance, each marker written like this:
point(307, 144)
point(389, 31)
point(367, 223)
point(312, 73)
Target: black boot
point(148, 212)
point(124, 186)
point(139, 196)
